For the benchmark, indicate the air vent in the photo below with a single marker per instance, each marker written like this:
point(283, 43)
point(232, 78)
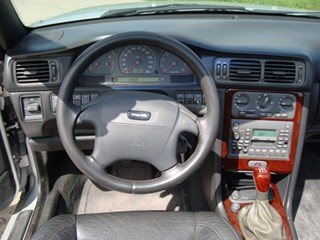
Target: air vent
point(244, 70)
point(276, 71)
point(32, 71)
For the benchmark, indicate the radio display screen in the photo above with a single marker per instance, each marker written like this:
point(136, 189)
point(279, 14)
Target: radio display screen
point(264, 133)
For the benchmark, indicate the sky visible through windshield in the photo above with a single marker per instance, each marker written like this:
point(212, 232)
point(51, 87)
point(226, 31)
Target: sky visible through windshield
point(32, 11)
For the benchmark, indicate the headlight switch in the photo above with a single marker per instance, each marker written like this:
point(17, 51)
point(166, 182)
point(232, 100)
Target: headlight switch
point(31, 108)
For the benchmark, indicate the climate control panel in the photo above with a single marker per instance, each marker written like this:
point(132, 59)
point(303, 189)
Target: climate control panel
point(260, 139)
point(263, 105)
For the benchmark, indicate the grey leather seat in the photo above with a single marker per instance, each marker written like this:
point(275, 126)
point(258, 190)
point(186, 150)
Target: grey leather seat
point(138, 226)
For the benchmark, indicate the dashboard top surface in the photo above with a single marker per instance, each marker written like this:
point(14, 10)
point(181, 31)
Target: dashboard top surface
point(226, 33)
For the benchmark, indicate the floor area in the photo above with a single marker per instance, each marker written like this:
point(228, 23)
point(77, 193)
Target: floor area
point(5, 214)
point(95, 200)
point(306, 210)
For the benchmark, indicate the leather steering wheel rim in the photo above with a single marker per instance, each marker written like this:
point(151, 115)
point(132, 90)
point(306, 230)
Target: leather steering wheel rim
point(68, 114)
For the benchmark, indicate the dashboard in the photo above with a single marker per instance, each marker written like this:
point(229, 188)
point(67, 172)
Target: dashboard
point(263, 78)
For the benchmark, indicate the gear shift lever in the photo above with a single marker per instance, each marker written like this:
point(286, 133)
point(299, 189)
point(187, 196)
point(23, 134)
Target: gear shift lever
point(262, 179)
point(260, 220)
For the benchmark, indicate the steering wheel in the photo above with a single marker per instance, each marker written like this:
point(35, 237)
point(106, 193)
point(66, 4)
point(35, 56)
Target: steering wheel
point(137, 125)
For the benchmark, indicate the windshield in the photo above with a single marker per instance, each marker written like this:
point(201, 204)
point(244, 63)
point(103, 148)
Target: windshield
point(34, 13)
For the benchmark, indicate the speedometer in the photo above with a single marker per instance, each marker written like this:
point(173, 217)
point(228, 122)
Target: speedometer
point(137, 59)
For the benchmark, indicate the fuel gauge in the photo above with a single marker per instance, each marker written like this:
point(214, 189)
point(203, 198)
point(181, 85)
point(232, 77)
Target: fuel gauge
point(169, 63)
point(103, 65)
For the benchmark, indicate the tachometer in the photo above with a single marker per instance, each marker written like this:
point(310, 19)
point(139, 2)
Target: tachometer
point(170, 63)
point(137, 59)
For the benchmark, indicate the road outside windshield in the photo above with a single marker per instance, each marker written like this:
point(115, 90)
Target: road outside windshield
point(36, 12)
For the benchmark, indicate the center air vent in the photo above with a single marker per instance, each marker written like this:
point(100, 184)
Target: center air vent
point(36, 71)
point(245, 70)
point(276, 71)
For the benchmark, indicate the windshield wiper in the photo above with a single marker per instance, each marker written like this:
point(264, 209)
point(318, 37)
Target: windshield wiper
point(304, 14)
point(192, 8)
point(171, 8)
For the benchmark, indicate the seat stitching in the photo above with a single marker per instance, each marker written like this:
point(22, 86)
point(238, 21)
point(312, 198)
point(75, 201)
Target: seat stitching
point(212, 228)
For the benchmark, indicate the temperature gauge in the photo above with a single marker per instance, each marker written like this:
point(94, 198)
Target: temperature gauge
point(103, 65)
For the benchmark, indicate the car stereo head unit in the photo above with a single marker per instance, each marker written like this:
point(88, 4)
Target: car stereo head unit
point(260, 139)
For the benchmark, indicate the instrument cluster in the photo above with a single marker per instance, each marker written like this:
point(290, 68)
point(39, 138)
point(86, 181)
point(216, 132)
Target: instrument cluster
point(137, 64)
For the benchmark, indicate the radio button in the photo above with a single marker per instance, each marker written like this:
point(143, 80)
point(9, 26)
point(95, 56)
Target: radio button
point(257, 152)
point(286, 139)
point(236, 135)
point(235, 126)
point(251, 152)
point(264, 152)
point(271, 152)
point(283, 153)
point(278, 153)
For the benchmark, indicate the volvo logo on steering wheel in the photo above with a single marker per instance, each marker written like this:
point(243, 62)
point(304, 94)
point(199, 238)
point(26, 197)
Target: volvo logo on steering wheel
point(139, 115)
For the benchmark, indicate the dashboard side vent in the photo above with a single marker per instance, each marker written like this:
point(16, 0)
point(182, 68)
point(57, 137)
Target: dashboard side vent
point(245, 70)
point(35, 71)
point(279, 71)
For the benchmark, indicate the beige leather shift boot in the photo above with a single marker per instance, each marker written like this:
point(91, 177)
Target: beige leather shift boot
point(260, 220)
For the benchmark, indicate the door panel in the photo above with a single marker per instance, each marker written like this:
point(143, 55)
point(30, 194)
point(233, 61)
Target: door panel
point(8, 178)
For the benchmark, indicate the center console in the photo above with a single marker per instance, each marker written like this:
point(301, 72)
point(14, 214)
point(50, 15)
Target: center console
point(261, 129)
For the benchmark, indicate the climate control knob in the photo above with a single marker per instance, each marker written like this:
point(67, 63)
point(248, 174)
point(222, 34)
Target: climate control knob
point(264, 101)
point(286, 103)
point(241, 100)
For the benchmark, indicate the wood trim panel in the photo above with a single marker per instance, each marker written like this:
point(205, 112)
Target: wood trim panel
point(276, 203)
point(276, 165)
